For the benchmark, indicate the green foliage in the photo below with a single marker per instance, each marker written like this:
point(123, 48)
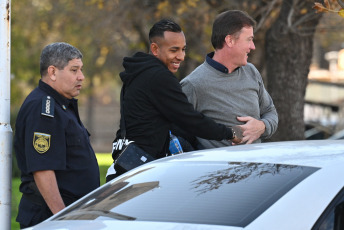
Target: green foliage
point(16, 195)
point(15, 169)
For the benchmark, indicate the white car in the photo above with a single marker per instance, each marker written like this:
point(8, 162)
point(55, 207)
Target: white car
point(279, 185)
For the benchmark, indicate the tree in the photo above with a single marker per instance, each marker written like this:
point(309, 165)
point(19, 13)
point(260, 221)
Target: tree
point(106, 31)
point(289, 45)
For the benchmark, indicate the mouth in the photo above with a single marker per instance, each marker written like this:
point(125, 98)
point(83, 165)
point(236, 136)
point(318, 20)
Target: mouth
point(176, 64)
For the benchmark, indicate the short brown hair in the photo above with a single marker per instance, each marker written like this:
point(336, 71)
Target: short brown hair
point(229, 23)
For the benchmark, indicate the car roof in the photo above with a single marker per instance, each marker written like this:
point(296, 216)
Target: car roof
point(315, 153)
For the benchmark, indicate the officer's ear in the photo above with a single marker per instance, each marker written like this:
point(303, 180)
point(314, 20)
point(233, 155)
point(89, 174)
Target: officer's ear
point(52, 72)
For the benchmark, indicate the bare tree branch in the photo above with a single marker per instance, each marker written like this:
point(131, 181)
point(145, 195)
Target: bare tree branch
point(341, 3)
point(271, 6)
point(290, 16)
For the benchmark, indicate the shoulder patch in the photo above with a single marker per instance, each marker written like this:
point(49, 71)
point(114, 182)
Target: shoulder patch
point(41, 142)
point(48, 105)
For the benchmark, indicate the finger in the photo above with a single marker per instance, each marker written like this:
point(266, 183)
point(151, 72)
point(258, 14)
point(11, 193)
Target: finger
point(244, 140)
point(243, 118)
point(249, 142)
point(245, 133)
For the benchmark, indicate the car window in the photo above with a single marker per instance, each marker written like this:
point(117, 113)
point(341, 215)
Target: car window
point(231, 194)
point(328, 218)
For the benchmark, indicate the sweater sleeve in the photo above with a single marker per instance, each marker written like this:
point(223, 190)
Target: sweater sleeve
point(170, 100)
point(268, 112)
point(189, 91)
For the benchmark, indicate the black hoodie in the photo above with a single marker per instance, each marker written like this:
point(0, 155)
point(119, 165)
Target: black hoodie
point(153, 100)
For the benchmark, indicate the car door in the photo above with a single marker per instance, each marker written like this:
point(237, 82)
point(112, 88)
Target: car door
point(333, 216)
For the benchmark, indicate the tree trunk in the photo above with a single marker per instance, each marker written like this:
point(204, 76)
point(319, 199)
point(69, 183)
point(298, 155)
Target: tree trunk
point(289, 47)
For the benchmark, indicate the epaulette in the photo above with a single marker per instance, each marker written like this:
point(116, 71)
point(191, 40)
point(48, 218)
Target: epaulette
point(48, 105)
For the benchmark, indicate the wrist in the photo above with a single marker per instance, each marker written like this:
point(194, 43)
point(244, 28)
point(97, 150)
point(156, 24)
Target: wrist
point(233, 134)
point(237, 134)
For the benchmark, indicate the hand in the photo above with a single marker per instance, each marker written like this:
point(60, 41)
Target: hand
point(252, 129)
point(237, 134)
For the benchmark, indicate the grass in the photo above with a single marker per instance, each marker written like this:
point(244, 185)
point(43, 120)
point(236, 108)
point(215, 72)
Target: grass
point(16, 195)
point(104, 161)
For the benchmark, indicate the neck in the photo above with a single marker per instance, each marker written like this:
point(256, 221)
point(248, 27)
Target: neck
point(225, 59)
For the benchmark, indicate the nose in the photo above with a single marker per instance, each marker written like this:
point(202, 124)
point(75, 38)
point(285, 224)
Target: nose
point(253, 47)
point(181, 55)
point(81, 76)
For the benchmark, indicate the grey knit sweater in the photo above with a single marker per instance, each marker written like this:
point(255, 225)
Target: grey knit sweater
point(225, 96)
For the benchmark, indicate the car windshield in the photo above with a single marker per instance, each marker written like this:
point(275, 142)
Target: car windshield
point(232, 194)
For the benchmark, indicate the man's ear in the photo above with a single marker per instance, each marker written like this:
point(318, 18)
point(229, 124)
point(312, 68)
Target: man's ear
point(52, 72)
point(154, 48)
point(229, 40)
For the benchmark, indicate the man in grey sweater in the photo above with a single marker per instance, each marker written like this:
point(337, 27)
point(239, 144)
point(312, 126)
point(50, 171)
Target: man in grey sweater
point(227, 88)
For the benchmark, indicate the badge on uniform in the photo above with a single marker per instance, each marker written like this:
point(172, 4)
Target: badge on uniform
point(48, 106)
point(41, 142)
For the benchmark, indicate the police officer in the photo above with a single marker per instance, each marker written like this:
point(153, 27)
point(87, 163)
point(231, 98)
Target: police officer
point(54, 154)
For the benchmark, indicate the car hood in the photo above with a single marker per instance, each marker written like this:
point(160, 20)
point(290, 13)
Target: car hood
point(123, 225)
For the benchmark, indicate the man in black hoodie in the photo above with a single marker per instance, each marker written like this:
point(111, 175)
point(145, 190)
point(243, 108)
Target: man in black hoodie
point(153, 99)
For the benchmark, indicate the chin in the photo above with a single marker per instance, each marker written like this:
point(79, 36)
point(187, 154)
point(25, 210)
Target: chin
point(75, 94)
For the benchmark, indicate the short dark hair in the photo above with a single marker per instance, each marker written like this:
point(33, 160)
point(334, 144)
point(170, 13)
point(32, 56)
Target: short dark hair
point(161, 26)
point(57, 54)
point(229, 23)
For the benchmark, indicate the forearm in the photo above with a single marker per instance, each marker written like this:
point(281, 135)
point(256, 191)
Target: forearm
point(47, 186)
point(170, 101)
point(268, 115)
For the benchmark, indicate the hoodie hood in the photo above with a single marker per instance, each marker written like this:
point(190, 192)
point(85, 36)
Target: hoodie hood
point(137, 64)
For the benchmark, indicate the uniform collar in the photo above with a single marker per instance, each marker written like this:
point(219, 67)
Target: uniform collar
point(64, 102)
point(216, 65)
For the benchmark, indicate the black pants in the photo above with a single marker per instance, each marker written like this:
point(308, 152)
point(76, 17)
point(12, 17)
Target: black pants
point(30, 213)
point(33, 209)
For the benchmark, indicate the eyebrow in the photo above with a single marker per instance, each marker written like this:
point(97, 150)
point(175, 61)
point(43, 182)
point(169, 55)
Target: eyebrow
point(76, 66)
point(177, 47)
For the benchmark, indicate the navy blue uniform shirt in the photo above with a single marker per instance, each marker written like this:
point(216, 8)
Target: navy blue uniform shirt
point(50, 136)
